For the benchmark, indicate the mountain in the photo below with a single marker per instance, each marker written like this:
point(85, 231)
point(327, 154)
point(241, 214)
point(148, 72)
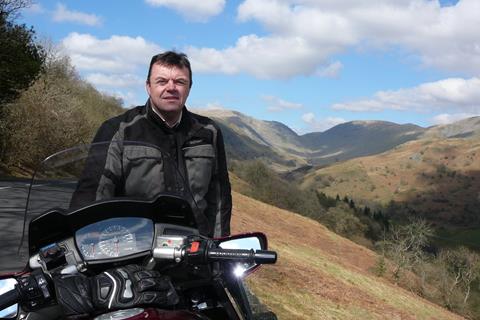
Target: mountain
point(436, 176)
point(320, 275)
point(357, 138)
point(247, 138)
point(266, 133)
point(285, 150)
point(461, 129)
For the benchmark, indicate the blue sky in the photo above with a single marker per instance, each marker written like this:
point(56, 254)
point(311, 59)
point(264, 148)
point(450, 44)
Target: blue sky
point(310, 64)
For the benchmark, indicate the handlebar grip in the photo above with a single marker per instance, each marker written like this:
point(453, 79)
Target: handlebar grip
point(259, 256)
point(219, 254)
point(265, 257)
point(9, 298)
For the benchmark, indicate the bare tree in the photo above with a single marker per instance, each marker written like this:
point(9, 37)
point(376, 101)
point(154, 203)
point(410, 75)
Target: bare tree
point(10, 8)
point(463, 268)
point(405, 243)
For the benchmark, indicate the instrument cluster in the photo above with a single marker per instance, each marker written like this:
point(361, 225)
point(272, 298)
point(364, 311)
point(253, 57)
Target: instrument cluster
point(115, 238)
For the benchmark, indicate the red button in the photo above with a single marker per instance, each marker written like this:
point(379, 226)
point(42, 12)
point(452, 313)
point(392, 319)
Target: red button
point(194, 246)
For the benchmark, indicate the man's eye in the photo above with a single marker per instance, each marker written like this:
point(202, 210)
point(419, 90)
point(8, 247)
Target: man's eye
point(181, 82)
point(162, 82)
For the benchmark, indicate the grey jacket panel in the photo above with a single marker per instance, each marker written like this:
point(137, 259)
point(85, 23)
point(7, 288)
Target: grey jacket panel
point(143, 171)
point(199, 161)
point(215, 210)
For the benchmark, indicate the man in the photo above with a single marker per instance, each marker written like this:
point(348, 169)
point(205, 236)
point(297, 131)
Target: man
point(191, 146)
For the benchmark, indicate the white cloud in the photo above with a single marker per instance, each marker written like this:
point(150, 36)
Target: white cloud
point(116, 54)
point(117, 65)
point(276, 104)
point(213, 106)
point(323, 124)
point(115, 80)
point(192, 10)
point(308, 117)
point(446, 118)
point(265, 58)
point(302, 35)
point(129, 98)
point(35, 8)
point(62, 14)
point(330, 71)
point(461, 95)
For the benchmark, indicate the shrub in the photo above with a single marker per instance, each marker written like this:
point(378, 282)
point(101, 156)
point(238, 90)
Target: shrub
point(267, 186)
point(58, 111)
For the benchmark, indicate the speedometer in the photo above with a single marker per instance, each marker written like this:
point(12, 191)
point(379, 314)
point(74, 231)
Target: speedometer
point(115, 238)
point(87, 247)
point(116, 241)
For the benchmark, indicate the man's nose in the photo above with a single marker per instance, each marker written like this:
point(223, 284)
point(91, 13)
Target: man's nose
point(171, 84)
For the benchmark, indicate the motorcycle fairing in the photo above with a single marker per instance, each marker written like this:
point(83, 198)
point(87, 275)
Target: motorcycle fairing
point(58, 224)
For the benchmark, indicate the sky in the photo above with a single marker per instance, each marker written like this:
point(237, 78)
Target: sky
point(310, 64)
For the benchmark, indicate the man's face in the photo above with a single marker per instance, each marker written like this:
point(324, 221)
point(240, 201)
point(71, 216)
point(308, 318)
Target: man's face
point(168, 88)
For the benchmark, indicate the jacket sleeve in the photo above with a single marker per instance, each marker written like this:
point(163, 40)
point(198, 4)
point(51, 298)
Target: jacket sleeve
point(93, 175)
point(219, 196)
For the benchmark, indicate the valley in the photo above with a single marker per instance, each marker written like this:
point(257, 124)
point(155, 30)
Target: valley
point(429, 172)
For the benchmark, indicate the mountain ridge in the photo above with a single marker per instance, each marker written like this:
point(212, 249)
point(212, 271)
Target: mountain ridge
point(285, 150)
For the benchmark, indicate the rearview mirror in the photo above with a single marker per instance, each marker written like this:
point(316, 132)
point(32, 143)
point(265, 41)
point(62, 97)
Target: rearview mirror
point(5, 286)
point(242, 243)
point(251, 241)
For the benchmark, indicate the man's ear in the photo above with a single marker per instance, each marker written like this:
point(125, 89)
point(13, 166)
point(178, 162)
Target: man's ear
point(147, 87)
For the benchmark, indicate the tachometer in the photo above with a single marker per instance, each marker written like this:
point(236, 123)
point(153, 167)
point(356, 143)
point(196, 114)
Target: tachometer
point(116, 241)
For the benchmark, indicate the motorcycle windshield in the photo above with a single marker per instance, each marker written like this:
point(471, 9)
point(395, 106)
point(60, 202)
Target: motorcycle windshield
point(87, 174)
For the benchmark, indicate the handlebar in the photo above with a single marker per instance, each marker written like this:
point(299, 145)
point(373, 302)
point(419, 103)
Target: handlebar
point(32, 290)
point(259, 256)
point(198, 252)
point(9, 298)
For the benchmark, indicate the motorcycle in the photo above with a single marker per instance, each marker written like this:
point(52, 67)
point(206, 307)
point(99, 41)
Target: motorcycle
point(161, 232)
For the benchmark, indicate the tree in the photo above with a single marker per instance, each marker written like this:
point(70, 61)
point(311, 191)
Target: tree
point(351, 204)
point(342, 220)
point(21, 59)
point(405, 244)
point(366, 211)
point(325, 201)
point(10, 8)
point(67, 112)
point(463, 268)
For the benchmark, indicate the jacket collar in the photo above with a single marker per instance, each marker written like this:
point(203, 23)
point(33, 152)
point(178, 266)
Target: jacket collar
point(157, 119)
point(188, 124)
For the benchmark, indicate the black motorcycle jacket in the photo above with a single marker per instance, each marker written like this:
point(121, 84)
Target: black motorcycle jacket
point(192, 152)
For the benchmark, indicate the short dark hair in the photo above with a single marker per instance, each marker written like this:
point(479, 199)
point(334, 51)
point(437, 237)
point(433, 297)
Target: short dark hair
point(171, 58)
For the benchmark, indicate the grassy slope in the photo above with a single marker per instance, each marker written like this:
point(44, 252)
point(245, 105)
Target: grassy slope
point(320, 275)
point(434, 176)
